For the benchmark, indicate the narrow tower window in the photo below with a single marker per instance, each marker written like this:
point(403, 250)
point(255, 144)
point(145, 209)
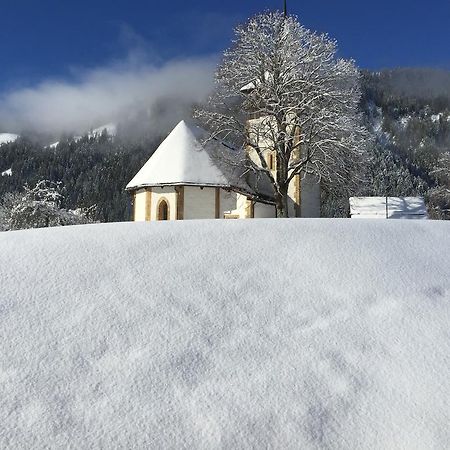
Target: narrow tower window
point(271, 161)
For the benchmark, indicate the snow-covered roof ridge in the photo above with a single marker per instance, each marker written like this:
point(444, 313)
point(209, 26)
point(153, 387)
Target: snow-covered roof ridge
point(183, 158)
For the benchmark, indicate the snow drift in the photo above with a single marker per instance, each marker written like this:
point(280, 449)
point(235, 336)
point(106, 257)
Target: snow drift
point(237, 334)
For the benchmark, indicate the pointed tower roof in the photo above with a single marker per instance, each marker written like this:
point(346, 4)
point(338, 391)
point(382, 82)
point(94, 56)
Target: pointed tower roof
point(180, 159)
point(183, 159)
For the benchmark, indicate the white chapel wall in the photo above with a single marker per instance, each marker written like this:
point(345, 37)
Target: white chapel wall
point(199, 203)
point(263, 211)
point(241, 206)
point(310, 197)
point(139, 206)
point(293, 197)
point(227, 202)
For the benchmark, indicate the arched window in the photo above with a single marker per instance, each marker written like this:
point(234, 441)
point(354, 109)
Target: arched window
point(163, 210)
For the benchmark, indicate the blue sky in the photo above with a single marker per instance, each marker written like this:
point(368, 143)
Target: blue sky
point(49, 38)
point(70, 65)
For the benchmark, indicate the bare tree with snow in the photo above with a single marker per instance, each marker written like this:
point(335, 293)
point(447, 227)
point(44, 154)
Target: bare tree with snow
point(281, 90)
point(38, 207)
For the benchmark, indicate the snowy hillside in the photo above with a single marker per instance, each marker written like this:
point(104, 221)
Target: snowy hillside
point(7, 137)
point(110, 129)
point(184, 335)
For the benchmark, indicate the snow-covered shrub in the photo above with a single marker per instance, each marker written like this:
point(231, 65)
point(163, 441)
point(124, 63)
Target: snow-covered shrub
point(38, 207)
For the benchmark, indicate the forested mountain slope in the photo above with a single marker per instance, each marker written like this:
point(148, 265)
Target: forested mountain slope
point(408, 111)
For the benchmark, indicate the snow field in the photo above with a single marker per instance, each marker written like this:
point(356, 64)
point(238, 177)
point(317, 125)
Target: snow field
point(226, 334)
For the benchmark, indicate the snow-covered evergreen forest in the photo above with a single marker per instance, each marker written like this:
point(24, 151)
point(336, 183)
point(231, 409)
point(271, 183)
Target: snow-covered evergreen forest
point(408, 111)
point(92, 170)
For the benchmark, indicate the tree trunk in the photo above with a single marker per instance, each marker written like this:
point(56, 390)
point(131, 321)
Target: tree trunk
point(281, 176)
point(282, 204)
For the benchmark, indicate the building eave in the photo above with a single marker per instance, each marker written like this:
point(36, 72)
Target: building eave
point(254, 196)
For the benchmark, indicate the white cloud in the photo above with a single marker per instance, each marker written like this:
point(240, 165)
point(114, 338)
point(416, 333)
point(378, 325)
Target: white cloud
point(108, 94)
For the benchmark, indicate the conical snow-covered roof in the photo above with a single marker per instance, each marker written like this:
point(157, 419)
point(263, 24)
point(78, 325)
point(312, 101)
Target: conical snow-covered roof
point(182, 159)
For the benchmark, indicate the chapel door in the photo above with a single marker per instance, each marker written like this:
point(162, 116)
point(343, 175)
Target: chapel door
point(163, 210)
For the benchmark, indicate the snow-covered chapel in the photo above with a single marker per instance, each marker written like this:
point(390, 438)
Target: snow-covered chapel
point(187, 179)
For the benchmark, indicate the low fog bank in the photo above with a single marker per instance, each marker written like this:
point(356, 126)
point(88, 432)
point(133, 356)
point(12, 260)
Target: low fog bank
point(144, 99)
point(138, 96)
point(425, 83)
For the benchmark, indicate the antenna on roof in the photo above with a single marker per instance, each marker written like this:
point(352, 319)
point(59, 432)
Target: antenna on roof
point(285, 8)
